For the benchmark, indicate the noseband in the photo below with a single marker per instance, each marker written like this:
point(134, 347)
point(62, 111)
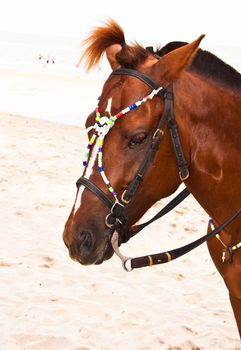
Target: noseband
point(116, 219)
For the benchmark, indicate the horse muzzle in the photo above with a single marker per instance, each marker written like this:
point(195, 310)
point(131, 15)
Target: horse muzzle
point(87, 247)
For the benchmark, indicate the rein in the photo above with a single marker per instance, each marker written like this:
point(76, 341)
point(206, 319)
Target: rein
point(149, 260)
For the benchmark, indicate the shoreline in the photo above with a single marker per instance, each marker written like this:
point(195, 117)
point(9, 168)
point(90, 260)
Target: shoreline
point(44, 94)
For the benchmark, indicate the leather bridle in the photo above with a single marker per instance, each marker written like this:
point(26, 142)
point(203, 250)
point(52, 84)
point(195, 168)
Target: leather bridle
point(116, 219)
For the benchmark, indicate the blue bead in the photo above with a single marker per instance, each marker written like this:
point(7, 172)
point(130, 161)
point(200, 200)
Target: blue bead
point(84, 163)
point(101, 168)
point(132, 106)
point(89, 146)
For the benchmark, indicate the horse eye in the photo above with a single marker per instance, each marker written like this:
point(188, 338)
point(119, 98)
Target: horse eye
point(137, 139)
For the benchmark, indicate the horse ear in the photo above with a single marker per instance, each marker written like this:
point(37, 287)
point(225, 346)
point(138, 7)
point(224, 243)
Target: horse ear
point(177, 60)
point(111, 53)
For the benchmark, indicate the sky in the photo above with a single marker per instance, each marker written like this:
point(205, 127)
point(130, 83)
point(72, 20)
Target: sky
point(150, 22)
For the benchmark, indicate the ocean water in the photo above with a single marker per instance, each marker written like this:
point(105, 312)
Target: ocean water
point(56, 91)
point(22, 51)
point(27, 81)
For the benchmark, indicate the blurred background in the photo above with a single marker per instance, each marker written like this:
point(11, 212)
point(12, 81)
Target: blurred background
point(44, 38)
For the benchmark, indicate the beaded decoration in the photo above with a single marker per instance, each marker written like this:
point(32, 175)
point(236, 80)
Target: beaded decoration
point(228, 250)
point(102, 126)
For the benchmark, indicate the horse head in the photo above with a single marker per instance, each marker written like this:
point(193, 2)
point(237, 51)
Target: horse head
point(125, 126)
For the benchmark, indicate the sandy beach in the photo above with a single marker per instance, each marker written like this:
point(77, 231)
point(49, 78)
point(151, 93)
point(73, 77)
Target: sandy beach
point(49, 302)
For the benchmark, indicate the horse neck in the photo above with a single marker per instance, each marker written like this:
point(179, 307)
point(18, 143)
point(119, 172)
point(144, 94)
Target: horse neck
point(209, 120)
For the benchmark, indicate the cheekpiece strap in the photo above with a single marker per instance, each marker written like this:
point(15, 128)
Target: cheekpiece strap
point(169, 112)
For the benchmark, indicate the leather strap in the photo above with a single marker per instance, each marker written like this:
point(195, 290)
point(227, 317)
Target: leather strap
point(135, 183)
point(139, 75)
point(169, 112)
point(171, 205)
point(116, 218)
point(96, 190)
point(170, 255)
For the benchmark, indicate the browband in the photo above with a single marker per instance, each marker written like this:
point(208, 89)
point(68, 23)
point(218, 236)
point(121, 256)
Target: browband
point(139, 75)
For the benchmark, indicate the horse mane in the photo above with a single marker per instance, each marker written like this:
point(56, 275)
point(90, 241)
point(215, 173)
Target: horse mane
point(207, 64)
point(204, 63)
point(101, 38)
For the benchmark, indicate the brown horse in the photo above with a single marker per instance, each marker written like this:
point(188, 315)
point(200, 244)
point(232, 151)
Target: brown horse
point(207, 109)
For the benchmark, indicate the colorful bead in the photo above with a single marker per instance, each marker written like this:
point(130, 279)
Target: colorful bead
point(133, 106)
point(102, 127)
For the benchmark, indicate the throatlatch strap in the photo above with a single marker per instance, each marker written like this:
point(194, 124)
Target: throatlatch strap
point(171, 205)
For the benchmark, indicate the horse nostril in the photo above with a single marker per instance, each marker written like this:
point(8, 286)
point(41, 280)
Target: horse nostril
point(85, 240)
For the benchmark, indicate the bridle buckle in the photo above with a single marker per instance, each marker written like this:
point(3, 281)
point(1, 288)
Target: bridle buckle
point(158, 131)
point(126, 201)
point(184, 177)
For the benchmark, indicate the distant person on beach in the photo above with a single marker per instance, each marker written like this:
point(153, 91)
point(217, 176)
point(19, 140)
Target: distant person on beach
point(45, 60)
point(78, 63)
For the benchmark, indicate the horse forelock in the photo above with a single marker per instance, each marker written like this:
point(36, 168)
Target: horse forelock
point(103, 37)
point(132, 56)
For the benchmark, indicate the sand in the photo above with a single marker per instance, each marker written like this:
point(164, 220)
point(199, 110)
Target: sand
point(49, 302)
